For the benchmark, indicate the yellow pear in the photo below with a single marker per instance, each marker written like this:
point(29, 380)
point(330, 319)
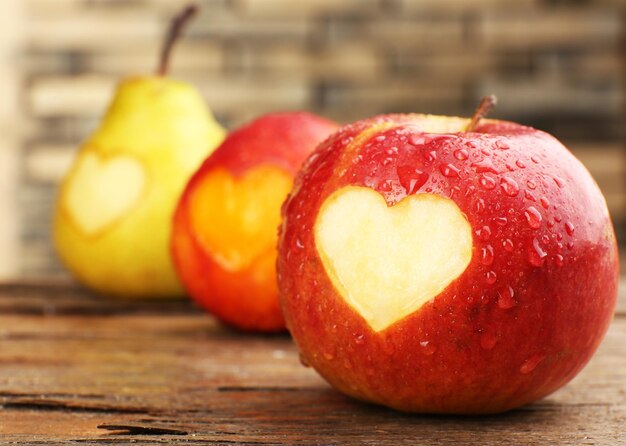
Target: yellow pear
point(113, 213)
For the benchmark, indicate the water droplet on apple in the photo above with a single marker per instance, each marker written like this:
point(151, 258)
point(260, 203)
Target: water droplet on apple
point(359, 339)
point(470, 144)
point(531, 363)
point(455, 190)
point(411, 179)
point(487, 182)
point(506, 298)
point(299, 243)
point(483, 233)
point(569, 228)
point(428, 348)
point(529, 195)
point(558, 260)
point(385, 186)
point(347, 140)
point(490, 277)
point(329, 356)
point(448, 170)
point(557, 219)
point(501, 221)
point(570, 245)
point(507, 244)
point(357, 159)
point(536, 254)
point(430, 156)
point(380, 138)
point(488, 341)
point(509, 186)
point(534, 160)
point(544, 202)
point(520, 164)
point(533, 217)
point(501, 145)
point(461, 154)
point(484, 165)
point(558, 181)
point(480, 205)
point(486, 255)
point(417, 140)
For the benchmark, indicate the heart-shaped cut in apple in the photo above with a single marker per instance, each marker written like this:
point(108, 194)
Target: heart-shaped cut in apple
point(387, 262)
point(100, 191)
point(235, 219)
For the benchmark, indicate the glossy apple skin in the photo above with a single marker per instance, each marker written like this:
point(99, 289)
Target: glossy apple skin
point(474, 348)
point(242, 298)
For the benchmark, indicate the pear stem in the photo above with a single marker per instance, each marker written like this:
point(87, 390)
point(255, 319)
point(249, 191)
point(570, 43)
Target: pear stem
point(486, 104)
point(176, 26)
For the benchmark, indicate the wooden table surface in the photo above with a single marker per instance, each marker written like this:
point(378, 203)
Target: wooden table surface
point(75, 368)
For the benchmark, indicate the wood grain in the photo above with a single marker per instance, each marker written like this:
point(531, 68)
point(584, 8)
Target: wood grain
point(78, 368)
point(10, 120)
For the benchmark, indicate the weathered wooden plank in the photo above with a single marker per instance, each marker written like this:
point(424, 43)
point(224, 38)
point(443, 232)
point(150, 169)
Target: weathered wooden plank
point(404, 33)
point(88, 95)
point(549, 95)
point(11, 27)
point(55, 7)
point(189, 57)
point(310, 8)
point(564, 27)
point(452, 7)
point(77, 368)
point(89, 30)
point(349, 62)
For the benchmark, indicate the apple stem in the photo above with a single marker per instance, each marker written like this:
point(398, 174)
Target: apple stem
point(486, 104)
point(176, 26)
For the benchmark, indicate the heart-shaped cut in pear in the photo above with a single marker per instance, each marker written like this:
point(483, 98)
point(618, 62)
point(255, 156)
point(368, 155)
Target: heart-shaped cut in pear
point(100, 191)
point(387, 262)
point(235, 219)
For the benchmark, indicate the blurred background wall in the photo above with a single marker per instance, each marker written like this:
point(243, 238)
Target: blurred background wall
point(558, 65)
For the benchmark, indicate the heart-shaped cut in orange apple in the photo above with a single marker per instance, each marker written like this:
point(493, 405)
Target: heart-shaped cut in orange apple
point(363, 246)
point(235, 220)
point(100, 191)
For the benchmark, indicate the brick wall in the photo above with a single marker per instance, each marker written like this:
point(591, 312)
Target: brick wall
point(554, 64)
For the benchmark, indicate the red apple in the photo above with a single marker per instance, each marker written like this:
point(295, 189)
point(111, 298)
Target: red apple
point(224, 235)
point(432, 269)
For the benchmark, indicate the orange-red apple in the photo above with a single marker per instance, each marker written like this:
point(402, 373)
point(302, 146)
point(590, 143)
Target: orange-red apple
point(437, 270)
point(225, 226)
